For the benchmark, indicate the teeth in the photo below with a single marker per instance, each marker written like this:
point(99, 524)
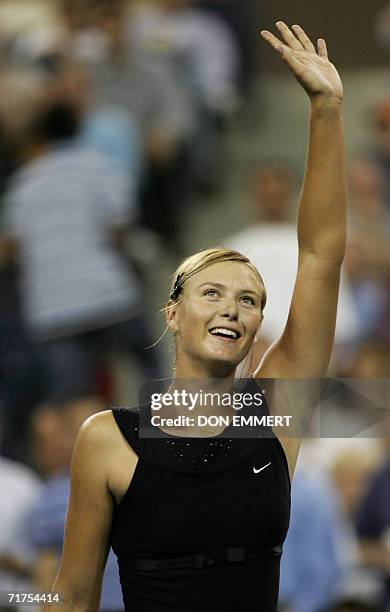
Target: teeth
point(226, 332)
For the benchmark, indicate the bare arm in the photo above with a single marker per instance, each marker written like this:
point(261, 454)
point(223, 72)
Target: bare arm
point(88, 521)
point(305, 346)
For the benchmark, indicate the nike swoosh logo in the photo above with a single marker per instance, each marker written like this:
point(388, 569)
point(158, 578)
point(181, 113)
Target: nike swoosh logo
point(261, 469)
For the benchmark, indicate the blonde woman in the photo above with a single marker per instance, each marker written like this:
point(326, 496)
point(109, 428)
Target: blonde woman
point(198, 522)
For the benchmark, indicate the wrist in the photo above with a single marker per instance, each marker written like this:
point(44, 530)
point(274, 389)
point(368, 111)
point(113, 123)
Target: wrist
point(325, 103)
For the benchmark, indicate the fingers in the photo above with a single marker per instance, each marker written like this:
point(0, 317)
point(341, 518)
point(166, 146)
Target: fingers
point(296, 39)
point(287, 54)
point(285, 51)
point(303, 38)
point(322, 50)
point(288, 36)
point(272, 40)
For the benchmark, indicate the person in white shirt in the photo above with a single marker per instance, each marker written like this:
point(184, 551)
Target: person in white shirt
point(19, 489)
point(271, 243)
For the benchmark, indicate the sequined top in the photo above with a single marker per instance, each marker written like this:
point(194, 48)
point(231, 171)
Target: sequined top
point(189, 496)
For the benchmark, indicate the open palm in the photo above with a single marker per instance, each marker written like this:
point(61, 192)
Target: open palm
point(311, 66)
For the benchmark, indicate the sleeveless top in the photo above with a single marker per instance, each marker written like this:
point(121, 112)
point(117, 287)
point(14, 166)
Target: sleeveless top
point(201, 526)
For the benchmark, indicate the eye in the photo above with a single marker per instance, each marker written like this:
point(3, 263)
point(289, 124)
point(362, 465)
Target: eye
point(211, 292)
point(247, 299)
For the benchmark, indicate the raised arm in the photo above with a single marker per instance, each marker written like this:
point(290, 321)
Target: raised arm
point(88, 521)
point(304, 348)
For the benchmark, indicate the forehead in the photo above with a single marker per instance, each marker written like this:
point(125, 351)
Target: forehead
point(233, 274)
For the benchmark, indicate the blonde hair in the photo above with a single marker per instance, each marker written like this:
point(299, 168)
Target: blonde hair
point(203, 259)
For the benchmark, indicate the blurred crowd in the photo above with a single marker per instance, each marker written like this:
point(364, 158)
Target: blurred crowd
point(112, 124)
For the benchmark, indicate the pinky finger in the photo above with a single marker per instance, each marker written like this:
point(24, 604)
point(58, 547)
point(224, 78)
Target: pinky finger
point(322, 50)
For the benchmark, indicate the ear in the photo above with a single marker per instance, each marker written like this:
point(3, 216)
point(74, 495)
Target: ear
point(171, 315)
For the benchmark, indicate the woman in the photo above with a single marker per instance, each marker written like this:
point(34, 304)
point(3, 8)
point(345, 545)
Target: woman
point(201, 527)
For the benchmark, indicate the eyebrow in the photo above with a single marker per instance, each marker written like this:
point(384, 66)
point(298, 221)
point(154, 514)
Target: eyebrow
point(223, 287)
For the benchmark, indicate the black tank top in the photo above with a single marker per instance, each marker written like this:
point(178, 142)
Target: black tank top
point(201, 525)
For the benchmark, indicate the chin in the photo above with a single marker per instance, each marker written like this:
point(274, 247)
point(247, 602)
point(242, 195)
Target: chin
point(234, 358)
point(225, 365)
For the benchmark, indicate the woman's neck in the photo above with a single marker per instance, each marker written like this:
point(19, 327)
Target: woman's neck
point(200, 370)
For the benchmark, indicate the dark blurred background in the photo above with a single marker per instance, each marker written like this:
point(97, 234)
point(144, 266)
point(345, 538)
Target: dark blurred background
point(347, 25)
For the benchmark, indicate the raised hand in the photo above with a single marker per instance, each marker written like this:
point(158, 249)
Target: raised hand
point(311, 66)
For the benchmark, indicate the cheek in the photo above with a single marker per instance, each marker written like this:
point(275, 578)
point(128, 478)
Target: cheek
point(197, 313)
point(252, 322)
point(192, 320)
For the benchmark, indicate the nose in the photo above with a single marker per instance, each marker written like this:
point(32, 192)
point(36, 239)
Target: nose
point(230, 310)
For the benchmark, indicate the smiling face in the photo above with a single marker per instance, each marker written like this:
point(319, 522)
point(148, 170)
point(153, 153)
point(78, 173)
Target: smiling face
point(216, 319)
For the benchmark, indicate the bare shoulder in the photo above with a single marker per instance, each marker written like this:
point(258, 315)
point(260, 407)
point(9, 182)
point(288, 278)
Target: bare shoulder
point(99, 428)
point(105, 451)
point(101, 444)
point(95, 435)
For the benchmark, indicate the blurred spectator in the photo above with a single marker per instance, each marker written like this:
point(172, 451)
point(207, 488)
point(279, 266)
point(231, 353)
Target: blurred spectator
point(379, 117)
point(196, 44)
point(350, 471)
point(150, 93)
point(200, 49)
point(19, 489)
point(364, 406)
point(243, 16)
point(373, 524)
point(20, 383)
point(351, 461)
point(68, 212)
point(311, 563)
point(271, 243)
point(353, 407)
point(366, 190)
point(350, 411)
point(97, 35)
point(367, 260)
point(103, 126)
point(370, 359)
point(49, 441)
point(47, 515)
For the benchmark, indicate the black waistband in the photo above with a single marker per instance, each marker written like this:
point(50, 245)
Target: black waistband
point(200, 560)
